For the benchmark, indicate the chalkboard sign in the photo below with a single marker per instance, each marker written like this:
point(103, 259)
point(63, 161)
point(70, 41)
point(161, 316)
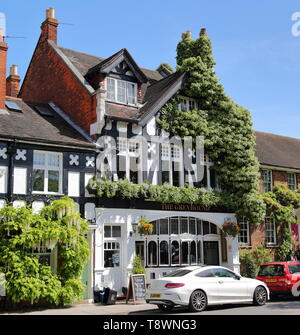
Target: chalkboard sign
point(136, 288)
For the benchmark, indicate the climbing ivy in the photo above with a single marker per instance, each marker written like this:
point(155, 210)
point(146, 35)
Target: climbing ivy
point(227, 127)
point(280, 204)
point(165, 193)
point(23, 234)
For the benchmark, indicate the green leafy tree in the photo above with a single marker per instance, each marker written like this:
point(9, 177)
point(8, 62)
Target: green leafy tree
point(23, 233)
point(227, 127)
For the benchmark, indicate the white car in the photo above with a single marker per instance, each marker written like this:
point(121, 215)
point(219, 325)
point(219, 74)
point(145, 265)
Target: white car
point(198, 287)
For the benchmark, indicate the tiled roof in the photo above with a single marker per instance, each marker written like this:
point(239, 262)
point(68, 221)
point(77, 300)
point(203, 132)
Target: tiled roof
point(277, 150)
point(29, 124)
point(84, 62)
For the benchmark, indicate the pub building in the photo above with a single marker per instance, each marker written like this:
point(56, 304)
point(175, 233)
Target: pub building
point(96, 100)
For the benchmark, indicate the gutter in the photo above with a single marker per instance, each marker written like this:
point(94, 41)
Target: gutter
point(46, 143)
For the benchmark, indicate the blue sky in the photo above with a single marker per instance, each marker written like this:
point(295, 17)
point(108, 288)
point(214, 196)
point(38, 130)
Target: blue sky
point(258, 58)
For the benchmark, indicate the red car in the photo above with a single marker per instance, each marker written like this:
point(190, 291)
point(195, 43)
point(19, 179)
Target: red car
point(280, 277)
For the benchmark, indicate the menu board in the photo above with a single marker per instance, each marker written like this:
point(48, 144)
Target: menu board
point(136, 288)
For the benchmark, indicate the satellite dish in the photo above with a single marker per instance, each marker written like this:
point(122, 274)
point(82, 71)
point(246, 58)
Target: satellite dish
point(3, 23)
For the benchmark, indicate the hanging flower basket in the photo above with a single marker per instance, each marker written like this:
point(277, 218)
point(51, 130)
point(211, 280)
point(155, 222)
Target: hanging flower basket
point(230, 229)
point(145, 227)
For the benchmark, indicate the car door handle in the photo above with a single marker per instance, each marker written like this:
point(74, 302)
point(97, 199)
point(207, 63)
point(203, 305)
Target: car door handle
point(220, 282)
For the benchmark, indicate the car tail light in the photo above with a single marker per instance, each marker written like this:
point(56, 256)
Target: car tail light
point(173, 285)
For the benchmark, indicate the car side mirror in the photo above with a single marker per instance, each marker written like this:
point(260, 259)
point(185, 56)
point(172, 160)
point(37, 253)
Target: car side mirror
point(237, 277)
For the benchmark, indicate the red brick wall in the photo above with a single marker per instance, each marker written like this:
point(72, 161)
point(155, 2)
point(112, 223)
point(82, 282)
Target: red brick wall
point(13, 86)
point(257, 235)
point(49, 79)
point(280, 177)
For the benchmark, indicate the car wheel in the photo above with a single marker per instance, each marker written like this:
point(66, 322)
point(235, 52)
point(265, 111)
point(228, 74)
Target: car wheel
point(165, 308)
point(198, 301)
point(260, 296)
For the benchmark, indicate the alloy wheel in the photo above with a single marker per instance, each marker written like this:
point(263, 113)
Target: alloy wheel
point(198, 301)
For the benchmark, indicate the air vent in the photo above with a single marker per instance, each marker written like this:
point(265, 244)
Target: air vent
point(13, 106)
point(44, 111)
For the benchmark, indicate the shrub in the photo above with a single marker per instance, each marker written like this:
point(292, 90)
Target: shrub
point(252, 259)
point(138, 267)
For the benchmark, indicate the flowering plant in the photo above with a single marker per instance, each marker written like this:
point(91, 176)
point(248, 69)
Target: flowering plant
point(230, 229)
point(145, 227)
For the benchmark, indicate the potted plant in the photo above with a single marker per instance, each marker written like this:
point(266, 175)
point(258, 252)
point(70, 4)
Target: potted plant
point(145, 227)
point(230, 229)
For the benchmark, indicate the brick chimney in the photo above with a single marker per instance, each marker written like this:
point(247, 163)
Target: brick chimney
point(3, 56)
point(13, 82)
point(49, 26)
point(203, 31)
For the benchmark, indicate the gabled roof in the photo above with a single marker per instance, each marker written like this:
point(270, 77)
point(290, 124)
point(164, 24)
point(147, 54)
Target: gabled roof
point(84, 62)
point(278, 151)
point(30, 125)
point(156, 89)
point(108, 64)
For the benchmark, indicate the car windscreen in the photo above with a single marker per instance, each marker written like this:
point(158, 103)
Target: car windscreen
point(271, 270)
point(294, 268)
point(178, 273)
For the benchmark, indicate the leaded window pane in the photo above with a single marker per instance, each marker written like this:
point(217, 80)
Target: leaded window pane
point(121, 95)
point(111, 89)
point(53, 181)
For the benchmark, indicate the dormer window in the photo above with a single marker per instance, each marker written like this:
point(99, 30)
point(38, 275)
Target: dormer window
point(121, 91)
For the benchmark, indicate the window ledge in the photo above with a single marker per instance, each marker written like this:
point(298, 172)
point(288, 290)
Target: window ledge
point(48, 193)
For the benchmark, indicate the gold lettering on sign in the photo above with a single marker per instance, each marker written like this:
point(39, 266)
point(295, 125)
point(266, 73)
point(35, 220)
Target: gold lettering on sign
point(181, 207)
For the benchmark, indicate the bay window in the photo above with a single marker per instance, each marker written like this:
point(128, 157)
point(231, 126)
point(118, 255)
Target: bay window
point(47, 172)
point(121, 91)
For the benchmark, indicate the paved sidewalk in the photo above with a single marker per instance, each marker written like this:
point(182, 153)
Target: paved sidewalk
point(120, 308)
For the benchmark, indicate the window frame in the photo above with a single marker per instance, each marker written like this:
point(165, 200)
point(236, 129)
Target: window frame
point(117, 82)
point(188, 102)
point(129, 149)
point(273, 230)
point(46, 168)
point(269, 182)
point(294, 184)
point(170, 155)
point(243, 229)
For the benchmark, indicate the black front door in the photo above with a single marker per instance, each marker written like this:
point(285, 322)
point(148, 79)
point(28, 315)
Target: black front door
point(211, 253)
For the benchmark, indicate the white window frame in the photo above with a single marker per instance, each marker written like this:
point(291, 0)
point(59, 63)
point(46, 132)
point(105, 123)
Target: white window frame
point(4, 175)
point(46, 168)
point(269, 182)
point(125, 146)
point(187, 101)
point(242, 225)
point(116, 240)
point(127, 83)
point(294, 184)
point(270, 221)
point(171, 153)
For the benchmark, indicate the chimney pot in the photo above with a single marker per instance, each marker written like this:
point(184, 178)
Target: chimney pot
point(49, 26)
point(187, 34)
point(203, 31)
point(13, 70)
